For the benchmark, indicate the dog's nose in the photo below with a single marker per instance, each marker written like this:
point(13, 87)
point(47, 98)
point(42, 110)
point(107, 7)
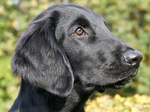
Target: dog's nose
point(133, 57)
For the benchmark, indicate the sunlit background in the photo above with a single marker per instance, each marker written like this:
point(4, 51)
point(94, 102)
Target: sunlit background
point(127, 19)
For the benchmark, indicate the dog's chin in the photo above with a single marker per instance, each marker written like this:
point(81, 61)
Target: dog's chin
point(121, 84)
point(118, 85)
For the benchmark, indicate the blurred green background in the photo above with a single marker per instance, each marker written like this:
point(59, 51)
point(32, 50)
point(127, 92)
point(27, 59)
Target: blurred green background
point(127, 19)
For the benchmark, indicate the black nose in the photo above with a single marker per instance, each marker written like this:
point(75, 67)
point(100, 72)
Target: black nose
point(133, 58)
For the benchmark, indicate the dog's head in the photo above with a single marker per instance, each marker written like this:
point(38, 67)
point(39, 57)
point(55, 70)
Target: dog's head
point(66, 43)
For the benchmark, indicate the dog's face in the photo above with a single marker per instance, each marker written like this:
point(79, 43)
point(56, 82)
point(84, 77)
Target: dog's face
point(97, 57)
point(67, 43)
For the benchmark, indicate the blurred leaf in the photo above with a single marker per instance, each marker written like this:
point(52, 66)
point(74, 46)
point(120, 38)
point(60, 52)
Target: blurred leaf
point(107, 103)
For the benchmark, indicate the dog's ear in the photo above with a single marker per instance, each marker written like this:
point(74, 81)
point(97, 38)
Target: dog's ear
point(39, 58)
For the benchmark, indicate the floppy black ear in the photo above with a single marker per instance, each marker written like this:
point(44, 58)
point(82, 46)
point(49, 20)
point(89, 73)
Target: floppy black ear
point(39, 58)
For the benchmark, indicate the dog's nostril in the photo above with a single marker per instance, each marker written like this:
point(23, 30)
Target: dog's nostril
point(134, 62)
point(133, 58)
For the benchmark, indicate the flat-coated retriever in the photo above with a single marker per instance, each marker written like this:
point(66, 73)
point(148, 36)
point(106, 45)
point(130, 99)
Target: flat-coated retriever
point(65, 54)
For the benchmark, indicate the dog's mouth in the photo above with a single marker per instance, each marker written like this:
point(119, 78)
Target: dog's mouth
point(117, 85)
point(121, 84)
point(114, 85)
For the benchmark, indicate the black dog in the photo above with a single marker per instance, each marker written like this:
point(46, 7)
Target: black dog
point(65, 54)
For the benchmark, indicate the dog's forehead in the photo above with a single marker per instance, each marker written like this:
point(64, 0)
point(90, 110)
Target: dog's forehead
point(74, 11)
point(70, 13)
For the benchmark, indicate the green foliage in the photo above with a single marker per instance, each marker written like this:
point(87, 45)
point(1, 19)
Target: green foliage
point(14, 21)
point(8, 85)
point(117, 103)
point(127, 19)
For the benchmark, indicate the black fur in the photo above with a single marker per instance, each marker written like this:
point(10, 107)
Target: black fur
point(60, 69)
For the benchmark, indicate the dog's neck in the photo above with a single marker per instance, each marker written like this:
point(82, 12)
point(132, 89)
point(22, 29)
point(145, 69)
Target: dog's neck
point(37, 101)
point(77, 98)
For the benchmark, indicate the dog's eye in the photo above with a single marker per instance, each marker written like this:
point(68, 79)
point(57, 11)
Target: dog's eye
point(79, 31)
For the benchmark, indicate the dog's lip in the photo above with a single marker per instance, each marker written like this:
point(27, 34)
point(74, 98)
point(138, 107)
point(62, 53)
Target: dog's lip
point(122, 83)
point(117, 85)
point(135, 73)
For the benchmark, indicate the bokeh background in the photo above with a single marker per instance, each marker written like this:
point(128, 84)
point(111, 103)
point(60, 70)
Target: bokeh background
point(127, 19)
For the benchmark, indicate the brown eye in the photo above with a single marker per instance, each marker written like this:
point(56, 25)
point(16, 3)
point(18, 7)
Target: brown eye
point(79, 31)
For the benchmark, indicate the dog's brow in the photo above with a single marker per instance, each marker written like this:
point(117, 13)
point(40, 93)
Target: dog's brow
point(81, 21)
